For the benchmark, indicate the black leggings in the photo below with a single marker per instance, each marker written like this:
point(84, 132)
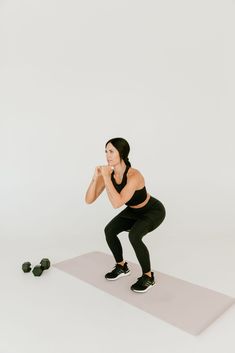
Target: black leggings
point(138, 222)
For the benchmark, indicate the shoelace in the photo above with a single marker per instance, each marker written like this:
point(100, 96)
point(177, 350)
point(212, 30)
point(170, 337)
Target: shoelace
point(142, 279)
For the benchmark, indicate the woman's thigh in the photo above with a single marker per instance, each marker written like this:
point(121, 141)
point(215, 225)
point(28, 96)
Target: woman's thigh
point(122, 222)
point(155, 215)
point(141, 227)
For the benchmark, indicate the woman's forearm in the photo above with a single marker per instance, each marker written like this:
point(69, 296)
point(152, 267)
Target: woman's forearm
point(113, 195)
point(91, 191)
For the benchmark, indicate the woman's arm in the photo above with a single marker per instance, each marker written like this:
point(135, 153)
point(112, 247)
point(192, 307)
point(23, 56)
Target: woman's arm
point(119, 199)
point(95, 189)
point(113, 195)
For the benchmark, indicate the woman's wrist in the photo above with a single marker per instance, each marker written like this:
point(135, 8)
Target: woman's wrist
point(107, 178)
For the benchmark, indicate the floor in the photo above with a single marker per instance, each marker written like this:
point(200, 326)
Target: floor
point(58, 313)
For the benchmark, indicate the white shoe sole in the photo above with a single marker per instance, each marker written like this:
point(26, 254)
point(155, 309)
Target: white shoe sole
point(121, 275)
point(143, 291)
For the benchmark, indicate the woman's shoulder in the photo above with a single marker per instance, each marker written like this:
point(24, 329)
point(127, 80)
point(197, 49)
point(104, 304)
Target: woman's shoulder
point(134, 172)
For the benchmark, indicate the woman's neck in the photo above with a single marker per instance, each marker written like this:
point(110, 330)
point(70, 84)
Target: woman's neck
point(119, 170)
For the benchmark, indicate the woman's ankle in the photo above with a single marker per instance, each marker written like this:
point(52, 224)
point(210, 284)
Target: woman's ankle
point(121, 263)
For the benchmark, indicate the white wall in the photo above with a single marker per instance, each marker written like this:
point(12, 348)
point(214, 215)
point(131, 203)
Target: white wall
point(158, 73)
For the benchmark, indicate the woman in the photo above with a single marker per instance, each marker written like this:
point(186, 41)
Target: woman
point(144, 213)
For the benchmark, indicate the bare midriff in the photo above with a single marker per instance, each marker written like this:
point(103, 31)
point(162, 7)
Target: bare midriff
point(143, 203)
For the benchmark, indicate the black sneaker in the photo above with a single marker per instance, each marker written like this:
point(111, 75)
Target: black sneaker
point(144, 283)
point(118, 271)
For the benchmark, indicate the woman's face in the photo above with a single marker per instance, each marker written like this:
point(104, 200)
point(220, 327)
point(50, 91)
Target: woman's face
point(112, 155)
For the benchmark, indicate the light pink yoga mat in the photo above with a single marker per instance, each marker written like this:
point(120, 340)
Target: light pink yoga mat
point(185, 305)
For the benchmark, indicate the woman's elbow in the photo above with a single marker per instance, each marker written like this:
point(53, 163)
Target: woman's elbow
point(89, 201)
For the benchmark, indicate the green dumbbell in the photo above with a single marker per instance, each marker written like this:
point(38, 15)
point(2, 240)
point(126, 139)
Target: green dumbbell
point(44, 265)
point(26, 267)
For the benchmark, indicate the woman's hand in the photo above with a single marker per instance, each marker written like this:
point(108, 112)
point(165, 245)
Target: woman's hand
point(106, 170)
point(97, 172)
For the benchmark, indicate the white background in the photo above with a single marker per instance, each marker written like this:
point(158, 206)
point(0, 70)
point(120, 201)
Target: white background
point(73, 75)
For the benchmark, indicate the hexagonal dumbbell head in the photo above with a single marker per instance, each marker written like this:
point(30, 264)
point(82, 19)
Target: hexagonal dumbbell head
point(26, 267)
point(45, 264)
point(37, 270)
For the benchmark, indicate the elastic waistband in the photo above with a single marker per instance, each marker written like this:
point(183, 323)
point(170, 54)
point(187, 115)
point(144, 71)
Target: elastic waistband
point(152, 201)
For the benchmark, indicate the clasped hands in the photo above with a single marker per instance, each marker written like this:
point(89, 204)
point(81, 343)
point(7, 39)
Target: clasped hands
point(106, 170)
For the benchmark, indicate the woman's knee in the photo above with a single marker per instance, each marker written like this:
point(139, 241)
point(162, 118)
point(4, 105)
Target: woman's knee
point(107, 230)
point(134, 238)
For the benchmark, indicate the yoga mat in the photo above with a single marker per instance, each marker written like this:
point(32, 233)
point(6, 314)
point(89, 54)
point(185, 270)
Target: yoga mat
point(185, 305)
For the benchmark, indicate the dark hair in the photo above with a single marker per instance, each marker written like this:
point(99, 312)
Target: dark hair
point(123, 148)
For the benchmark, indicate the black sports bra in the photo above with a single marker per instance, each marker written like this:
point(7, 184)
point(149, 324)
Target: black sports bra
point(139, 195)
